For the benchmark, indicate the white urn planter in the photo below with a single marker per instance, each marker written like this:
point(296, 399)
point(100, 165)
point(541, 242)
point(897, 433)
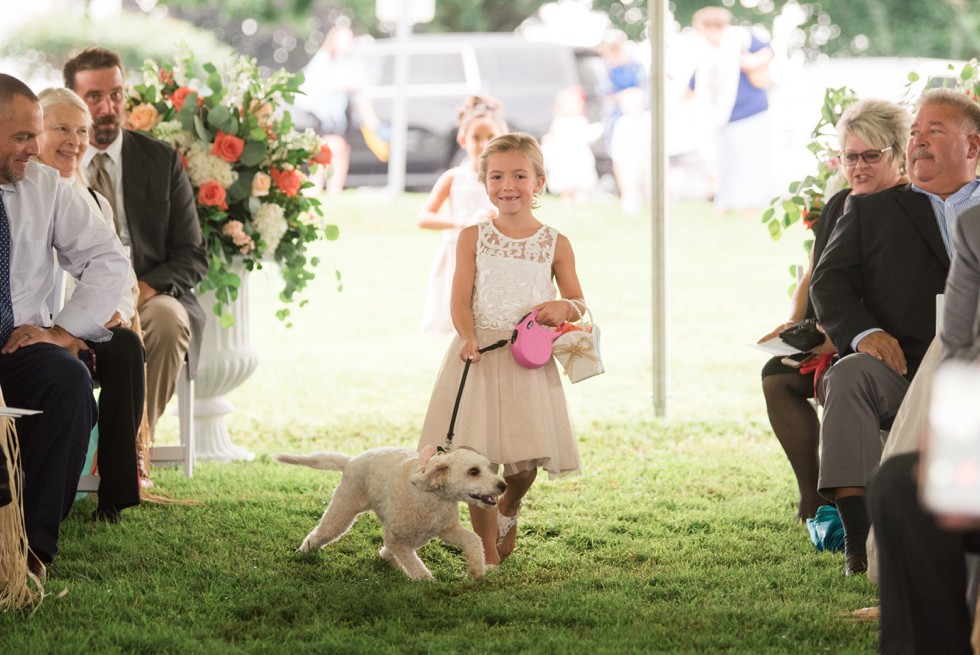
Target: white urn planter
point(227, 360)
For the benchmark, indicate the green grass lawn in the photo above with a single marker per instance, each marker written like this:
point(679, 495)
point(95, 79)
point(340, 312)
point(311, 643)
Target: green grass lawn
point(678, 536)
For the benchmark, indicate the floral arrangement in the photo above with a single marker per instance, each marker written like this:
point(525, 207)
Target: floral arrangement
point(246, 163)
point(806, 197)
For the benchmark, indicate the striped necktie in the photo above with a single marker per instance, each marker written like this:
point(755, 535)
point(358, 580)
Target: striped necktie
point(6, 306)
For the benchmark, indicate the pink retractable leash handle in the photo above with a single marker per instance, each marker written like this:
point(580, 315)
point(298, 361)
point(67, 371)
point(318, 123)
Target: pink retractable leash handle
point(531, 342)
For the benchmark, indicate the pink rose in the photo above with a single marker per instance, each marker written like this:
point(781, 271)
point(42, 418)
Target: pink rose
point(228, 147)
point(289, 180)
point(234, 230)
point(212, 194)
point(261, 184)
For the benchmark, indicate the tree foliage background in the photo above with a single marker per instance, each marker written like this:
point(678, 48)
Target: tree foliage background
point(286, 33)
point(915, 28)
point(946, 29)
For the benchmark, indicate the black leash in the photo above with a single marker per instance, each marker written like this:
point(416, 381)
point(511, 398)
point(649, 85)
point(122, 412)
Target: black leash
point(459, 394)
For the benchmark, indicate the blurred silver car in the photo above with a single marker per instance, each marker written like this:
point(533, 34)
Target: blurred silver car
point(445, 68)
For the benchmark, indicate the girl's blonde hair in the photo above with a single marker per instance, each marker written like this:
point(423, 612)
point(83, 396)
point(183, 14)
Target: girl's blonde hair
point(523, 143)
point(481, 106)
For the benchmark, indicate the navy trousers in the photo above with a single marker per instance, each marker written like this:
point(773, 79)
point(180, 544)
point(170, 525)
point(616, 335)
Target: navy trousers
point(921, 567)
point(52, 444)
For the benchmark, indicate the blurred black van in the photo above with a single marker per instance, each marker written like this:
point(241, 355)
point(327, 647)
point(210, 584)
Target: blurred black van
point(445, 68)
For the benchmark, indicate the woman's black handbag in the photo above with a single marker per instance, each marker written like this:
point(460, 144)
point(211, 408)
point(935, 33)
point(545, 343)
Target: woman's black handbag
point(803, 336)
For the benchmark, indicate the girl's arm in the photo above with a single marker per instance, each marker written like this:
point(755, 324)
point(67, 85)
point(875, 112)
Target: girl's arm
point(461, 299)
point(429, 217)
point(555, 312)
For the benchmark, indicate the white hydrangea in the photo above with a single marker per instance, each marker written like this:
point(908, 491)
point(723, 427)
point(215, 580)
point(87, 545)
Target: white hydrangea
point(170, 132)
point(203, 166)
point(307, 140)
point(270, 222)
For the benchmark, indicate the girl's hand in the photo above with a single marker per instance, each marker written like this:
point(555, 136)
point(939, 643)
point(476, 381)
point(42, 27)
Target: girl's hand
point(470, 350)
point(553, 313)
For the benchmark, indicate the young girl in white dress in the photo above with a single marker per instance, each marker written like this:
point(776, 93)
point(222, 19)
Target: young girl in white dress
point(506, 267)
point(480, 119)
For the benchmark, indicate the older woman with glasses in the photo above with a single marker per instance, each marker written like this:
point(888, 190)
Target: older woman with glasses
point(872, 135)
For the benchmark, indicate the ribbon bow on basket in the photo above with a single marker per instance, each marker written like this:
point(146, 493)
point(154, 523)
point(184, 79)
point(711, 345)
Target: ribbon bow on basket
point(577, 349)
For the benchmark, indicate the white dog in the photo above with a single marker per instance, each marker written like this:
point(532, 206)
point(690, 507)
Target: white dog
point(415, 497)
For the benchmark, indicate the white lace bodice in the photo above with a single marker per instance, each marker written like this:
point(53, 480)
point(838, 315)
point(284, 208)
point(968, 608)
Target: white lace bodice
point(512, 275)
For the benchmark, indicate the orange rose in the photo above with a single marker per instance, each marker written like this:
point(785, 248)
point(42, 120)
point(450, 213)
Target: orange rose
point(227, 147)
point(289, 181)
point(143, 117)
point(212, 194)
point(323, 156)
point(180, 95)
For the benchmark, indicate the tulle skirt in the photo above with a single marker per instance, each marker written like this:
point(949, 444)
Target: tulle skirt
point(514, 416)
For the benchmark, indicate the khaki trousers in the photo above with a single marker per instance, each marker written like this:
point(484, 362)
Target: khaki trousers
point(166, 336)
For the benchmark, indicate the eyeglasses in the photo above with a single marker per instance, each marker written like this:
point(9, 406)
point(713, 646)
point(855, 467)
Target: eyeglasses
point(869, 156)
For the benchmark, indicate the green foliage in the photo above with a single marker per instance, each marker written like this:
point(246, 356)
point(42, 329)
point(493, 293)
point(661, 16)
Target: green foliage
point(909, 28)
point(806, 197)
point(135, 36)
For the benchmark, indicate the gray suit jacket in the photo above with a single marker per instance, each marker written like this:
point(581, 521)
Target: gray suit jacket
point(168, 248)
point(961, 331)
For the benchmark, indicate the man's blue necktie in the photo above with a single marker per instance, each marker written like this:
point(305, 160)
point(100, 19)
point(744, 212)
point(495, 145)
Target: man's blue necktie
point(6, 307)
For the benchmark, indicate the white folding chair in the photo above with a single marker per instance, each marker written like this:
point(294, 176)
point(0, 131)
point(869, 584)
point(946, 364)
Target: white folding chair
point(184, 453)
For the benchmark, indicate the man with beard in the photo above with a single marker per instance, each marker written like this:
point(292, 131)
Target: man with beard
point(156, 218)
point(39, 364)
point(875, 289)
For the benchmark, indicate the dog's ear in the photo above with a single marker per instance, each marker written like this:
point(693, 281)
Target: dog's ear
point(432, 477)
point(425, 456)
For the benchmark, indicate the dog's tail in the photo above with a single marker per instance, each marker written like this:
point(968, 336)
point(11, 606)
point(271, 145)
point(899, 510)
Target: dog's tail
point(324, 460)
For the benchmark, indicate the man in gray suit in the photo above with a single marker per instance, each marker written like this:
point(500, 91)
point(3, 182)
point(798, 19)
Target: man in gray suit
point(874, 290)
point(156, 219)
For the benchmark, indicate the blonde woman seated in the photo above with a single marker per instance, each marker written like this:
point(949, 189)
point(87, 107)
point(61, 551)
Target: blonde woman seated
point(872, 135)
point(116, 364)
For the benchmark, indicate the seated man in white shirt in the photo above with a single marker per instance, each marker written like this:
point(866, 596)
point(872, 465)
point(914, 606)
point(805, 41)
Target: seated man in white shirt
point(39, 364)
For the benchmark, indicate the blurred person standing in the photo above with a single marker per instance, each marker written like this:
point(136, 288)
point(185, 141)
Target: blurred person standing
point(731, 79)
point(332, 84)
point(623, 72)
point(630, 151)
point(567, 148)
